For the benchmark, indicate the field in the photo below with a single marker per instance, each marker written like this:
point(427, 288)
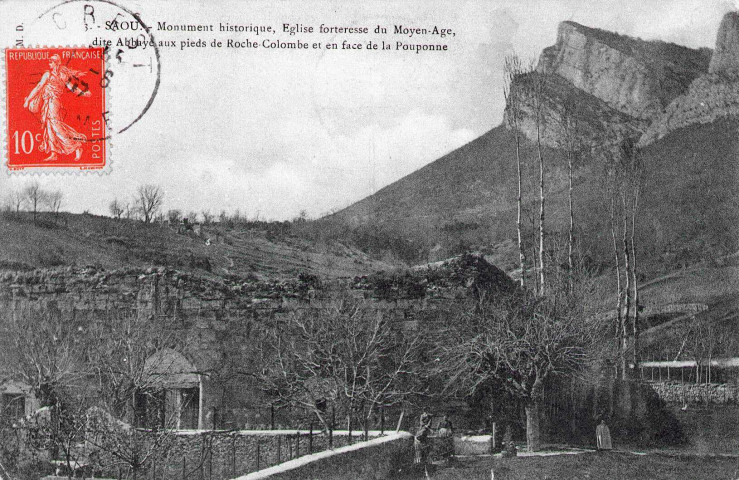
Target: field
point(592, 465)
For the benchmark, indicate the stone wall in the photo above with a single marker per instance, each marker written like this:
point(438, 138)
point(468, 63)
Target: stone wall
point(380, 458)
point(697, 393)
point(220, 319)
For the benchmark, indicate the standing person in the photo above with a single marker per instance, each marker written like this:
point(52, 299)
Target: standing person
point(421, 441)
point(446, 435)
point(58, 137)
point(603, 436)
point(445, 427)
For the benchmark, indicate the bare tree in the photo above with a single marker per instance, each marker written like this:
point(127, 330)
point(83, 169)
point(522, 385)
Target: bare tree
point(149, 200)
point(619, 291)
point(537, 86)
point(16, 198)
point(34, 197)
point(514, 344)
point(192, 216)
point(116, 208)
point(570, 141)
point(54, 201)
point(346, 353)
point(207, 217)
point(41, 348)
point(624, 174)
point(632, 187)
point(174, 216)
point(512, 72)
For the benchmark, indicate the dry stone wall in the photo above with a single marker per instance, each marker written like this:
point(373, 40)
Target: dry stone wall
point(220, 318)
point(697, 393)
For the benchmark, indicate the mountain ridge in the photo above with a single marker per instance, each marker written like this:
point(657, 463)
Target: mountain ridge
point(466, 198)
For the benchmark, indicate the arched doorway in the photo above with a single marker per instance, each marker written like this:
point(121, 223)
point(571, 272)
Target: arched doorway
point(171, 392)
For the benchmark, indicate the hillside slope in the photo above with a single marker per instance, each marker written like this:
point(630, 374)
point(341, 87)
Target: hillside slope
point(466, 199)
point(79, 240)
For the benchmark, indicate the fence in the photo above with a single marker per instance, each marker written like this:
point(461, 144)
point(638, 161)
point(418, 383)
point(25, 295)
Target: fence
point(216, 455)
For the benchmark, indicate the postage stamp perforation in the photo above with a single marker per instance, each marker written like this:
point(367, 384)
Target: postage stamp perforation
point(4, 124)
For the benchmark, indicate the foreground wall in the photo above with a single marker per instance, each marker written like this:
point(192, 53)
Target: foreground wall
point(697, 393)
point(220, 320)
point(376, 459)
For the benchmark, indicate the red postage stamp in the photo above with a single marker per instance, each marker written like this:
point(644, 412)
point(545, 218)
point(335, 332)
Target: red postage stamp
point(56, 108)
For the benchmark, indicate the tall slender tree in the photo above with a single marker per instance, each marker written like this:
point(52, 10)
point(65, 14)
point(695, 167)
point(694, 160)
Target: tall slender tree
point(537, 85)
point(571, 143)
point(619, 291)
point(513, 70)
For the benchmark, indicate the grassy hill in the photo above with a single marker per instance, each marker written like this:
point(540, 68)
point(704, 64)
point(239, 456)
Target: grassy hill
point(466, 200)
point(78, 240)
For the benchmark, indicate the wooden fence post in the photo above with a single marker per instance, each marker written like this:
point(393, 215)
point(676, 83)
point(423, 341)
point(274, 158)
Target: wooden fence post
point(495, 428)
point(310, 438)
point(233, 456)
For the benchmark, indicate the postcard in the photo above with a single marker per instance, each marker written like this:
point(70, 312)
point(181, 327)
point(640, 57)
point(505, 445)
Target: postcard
point(322, 239)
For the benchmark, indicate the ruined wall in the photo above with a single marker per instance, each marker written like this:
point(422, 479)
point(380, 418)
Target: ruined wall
point(220, 319)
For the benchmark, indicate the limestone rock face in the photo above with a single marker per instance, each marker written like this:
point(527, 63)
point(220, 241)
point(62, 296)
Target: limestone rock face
point(709, 98)
point(636, 77)
point(597, 123)
point(726, 56)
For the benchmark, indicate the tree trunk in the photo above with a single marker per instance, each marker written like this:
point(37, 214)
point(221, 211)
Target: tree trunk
point(619, 304)
point(570, 240)
point(519, 221)
point(534, 256)
point(533, 433)
point(538, 94)
point(635, 324)
point(541, 212)
point(627, 291)
point(512, 96)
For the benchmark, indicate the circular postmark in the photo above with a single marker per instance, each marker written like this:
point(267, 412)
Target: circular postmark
point(133, 67)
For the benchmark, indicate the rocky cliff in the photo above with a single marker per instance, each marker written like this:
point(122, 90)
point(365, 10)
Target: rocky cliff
point(633, 76)
point(711, 96)
point(617, 84)
point(595, 121)
point(726, 56)
point(708, 99)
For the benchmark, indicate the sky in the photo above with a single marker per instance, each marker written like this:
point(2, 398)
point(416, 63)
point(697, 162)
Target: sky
point(274, 132)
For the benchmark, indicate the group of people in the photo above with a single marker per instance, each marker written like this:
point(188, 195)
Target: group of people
point(422, 443)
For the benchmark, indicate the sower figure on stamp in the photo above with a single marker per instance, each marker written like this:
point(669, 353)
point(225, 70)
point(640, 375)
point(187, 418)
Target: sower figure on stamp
point(58, 136)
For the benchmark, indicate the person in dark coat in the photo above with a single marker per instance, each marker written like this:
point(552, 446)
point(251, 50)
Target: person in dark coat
point(603, 436)
point(421, 441)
